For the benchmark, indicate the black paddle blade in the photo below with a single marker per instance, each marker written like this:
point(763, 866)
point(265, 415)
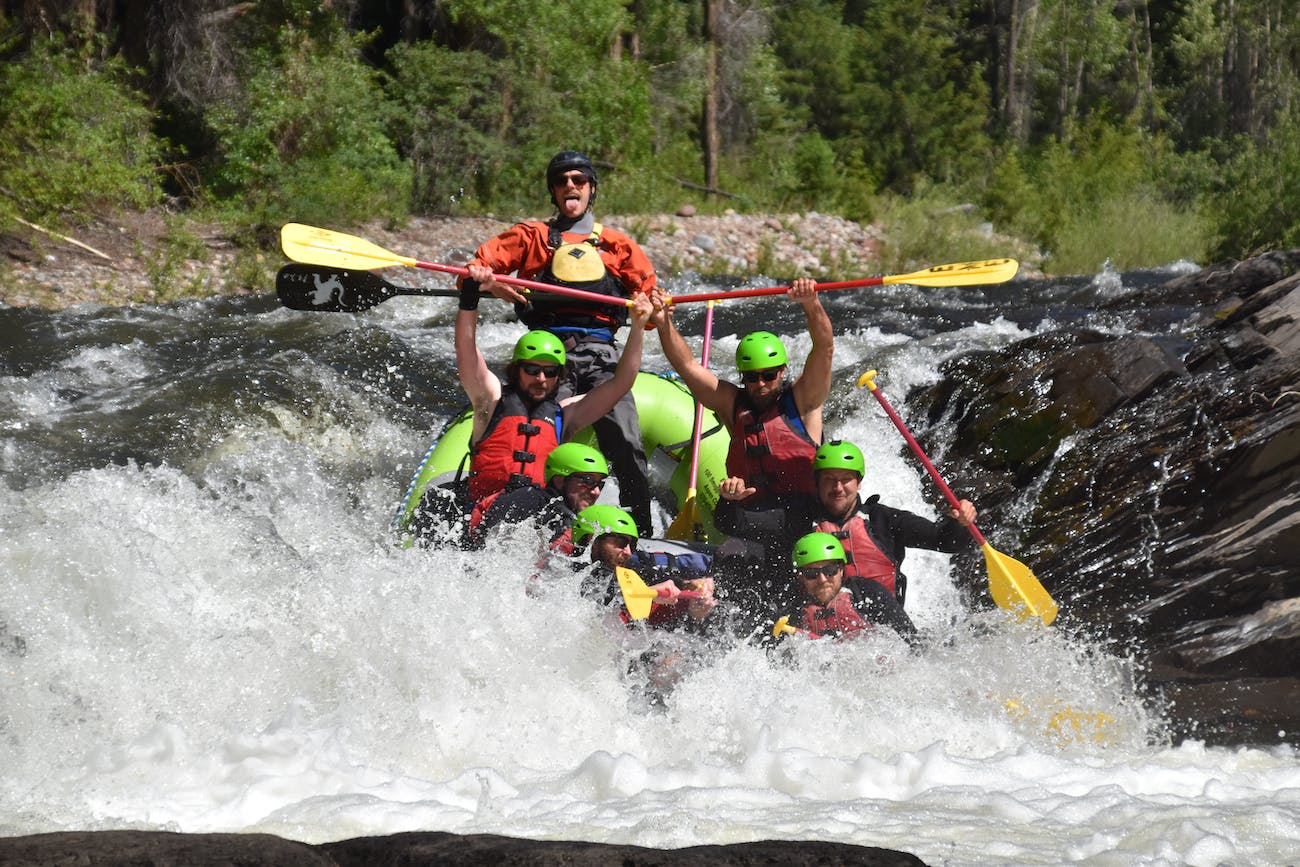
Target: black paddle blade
point(330, 290)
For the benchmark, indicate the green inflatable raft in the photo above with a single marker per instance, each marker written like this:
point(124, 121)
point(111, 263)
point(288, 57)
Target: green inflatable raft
point(667, 415)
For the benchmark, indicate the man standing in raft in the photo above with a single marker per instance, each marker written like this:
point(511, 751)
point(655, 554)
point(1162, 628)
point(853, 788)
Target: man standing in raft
point(832, 604)
point(573, 250)
point(775, 425)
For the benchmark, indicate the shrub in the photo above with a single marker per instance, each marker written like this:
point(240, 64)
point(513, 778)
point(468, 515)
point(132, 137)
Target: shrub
point(1257, 201)
point(75, 138)
point(306, 139)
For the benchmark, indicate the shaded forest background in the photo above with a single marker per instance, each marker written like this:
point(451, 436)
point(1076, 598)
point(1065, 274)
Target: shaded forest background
point(1134, 131)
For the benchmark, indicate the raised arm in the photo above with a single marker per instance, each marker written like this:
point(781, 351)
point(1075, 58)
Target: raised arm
point(481, 385)
point(814, 382)
point(715, 394)
point(583, 410)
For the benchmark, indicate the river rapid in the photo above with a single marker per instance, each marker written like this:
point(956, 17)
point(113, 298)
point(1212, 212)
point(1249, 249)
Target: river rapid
point(205, 624)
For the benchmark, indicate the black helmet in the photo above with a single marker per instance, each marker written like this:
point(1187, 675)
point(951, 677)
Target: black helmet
point(567, 161)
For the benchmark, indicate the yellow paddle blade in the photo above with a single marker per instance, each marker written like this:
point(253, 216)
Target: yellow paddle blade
point(783, 627)
point(682, 529)
point(961, 273)
point(316, 246)
point(636, 595)
point(1015, 588)
point(1063, 723)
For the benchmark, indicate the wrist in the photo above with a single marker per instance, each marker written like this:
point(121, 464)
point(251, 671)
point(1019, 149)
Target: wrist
point(469, 294)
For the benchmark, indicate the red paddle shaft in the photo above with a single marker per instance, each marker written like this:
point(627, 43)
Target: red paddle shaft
point(916, 449)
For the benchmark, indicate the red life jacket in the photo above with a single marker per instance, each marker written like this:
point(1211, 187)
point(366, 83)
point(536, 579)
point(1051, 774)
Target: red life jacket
point(770, 449)
point(866, 560)
point(568, 261)
point(516, 442)
point(839, 618)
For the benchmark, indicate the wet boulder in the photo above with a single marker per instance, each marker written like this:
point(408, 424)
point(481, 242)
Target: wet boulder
point(415, 849)
point(1155, 484)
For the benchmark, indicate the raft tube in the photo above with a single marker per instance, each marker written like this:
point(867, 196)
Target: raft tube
point(667, 415)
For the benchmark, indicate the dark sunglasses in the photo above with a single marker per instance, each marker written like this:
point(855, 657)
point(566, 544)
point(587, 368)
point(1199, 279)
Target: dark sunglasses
point(765, 375)
point(578, 181)
point(812, 573)
point(588, 480)
point(623, 541)
point(550, 371)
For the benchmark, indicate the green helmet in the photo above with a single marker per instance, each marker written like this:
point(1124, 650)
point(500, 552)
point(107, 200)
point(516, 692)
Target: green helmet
point(816, 547)
point(569, 458)
point(840, 455)
point(759, 350)
point(539, 346)
point(600, 519)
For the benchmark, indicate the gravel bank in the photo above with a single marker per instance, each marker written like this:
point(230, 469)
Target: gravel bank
point(139, 258)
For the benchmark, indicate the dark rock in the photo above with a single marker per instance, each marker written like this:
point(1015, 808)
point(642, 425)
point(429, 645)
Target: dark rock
point(157, 849)
point(452, 850)
point(1163, 483)
point(417, 849)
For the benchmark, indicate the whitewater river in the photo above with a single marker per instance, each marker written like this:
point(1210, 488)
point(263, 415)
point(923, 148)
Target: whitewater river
point(205, 624)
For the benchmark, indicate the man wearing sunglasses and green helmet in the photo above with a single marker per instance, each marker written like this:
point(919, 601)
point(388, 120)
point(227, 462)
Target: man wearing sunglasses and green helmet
point(831, 605)
point(873, 537)
point(775, 424)
point(520, 418)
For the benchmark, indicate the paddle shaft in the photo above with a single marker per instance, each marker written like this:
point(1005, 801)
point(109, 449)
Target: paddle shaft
point(921, 456)
point(582, 294)
point(956, 274)
point(774, 290)
point(699, 407)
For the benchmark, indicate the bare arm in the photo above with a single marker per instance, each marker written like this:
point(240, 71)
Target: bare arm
point(814, 382)
point(582, 411)
point(715, 394)
point(481, 386)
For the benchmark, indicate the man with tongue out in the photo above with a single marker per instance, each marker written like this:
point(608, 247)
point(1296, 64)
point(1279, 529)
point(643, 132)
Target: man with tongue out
point(573, 250)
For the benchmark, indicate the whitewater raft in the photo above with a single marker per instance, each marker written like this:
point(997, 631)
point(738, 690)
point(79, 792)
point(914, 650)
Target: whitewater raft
point(667, 415)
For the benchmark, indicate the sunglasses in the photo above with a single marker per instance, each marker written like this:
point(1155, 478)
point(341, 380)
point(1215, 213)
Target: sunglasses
point(622, 541)
point(550, 371)
point(765, 375)
point(588, 480)
point(812, 573)
point(578, 180)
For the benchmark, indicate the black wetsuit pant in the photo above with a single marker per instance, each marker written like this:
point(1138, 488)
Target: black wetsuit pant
point(618, 434)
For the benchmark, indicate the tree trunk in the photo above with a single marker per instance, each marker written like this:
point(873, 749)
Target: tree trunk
point(709, 126)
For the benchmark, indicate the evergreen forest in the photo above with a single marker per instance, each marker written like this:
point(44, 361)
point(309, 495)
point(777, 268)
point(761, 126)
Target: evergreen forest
point(1135, 131)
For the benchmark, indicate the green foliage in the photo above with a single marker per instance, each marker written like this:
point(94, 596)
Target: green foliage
point(449, 107)
point(553, 82)
point(307, 138)
point(75, 138)
point(1257, 202)
point(930, 227)
point(1081, 202)
point(165, 268)
point(886, 84)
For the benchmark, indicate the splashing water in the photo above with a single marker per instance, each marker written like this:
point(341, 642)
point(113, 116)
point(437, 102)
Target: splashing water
point(204, 626)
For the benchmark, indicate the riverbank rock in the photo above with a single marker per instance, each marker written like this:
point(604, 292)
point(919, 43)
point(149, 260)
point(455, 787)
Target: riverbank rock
point(1163, 474)
point(158, 849)
point(153, 258)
